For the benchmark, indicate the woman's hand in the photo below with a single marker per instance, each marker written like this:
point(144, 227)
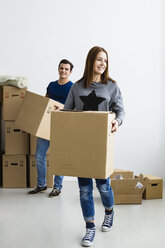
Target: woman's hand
point(115, 125)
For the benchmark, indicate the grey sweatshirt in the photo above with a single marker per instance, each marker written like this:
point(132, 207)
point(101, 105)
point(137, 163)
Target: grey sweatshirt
point(97, 97)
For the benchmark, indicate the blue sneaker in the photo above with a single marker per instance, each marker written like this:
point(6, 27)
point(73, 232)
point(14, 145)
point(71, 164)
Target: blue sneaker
point(89, 237)
point(108, 222)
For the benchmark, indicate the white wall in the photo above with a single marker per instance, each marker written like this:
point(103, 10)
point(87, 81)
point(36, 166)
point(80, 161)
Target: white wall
point(37, 34)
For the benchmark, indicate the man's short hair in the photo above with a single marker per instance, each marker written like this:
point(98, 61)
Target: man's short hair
point(65, 61)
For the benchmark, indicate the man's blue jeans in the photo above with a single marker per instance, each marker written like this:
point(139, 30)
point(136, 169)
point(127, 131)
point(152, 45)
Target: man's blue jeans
point(41, 150)
point(86, 196)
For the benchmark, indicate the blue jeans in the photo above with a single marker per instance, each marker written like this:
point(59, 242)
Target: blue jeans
point(41, 150)
point(86, 196)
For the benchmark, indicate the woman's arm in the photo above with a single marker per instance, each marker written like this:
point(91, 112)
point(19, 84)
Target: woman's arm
point(117, 106)
point(70, 101)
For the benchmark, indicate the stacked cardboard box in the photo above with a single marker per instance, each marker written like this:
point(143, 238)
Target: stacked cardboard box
point(14, 141)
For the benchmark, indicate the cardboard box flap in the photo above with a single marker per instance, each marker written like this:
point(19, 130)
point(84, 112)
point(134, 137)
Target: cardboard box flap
point(121, 173)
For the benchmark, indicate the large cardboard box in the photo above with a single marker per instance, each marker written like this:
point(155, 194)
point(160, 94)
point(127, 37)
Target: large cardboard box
point(11, 99)
point(120, 173)
point(128, 190)
point(33, 143)
point(34, 115)
point(33, 172)
point(15, 140)
point(82, 144)
point(154, 187)
point(14, 171)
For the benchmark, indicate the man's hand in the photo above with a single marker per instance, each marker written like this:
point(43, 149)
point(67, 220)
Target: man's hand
point(56, 107)
point(115, 125)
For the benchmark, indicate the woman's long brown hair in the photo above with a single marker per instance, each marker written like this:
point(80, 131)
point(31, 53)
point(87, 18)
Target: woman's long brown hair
point(89, 72)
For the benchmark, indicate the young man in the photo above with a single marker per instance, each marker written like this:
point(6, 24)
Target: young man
point(58, 91)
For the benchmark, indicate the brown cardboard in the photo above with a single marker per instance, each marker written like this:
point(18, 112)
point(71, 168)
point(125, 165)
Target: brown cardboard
point(154, 187)
point(126, 190)
point(14, 171)
point(16, 141)
point(82, 144)
point(2, 131)
point(34, 115)
point(11, 99)
point(33, 172)
point(122, 173)
point(33, 143)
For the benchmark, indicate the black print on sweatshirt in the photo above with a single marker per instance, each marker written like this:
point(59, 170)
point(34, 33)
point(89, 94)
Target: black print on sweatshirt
point(91, 101)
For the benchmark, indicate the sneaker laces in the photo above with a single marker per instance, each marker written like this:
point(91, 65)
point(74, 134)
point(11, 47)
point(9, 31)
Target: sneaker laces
point(107, 219)
point(36, 187)
point(90, 233)
point(54, 190)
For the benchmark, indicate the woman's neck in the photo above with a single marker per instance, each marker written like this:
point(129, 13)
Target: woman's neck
point(97, 78)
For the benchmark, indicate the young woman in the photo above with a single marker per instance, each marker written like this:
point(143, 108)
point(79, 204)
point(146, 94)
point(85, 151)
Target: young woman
point(98, 92)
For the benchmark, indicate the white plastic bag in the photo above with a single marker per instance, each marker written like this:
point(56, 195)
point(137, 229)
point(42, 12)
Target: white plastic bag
point(17, 81)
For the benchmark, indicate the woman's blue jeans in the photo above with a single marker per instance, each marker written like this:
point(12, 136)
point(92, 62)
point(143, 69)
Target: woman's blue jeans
point(41, 150)
point(86, 196)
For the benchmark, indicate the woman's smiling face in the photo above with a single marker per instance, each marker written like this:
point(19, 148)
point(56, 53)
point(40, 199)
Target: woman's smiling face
point(100, 63)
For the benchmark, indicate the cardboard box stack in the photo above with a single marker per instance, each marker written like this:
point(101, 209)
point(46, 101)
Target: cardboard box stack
point(14, 141)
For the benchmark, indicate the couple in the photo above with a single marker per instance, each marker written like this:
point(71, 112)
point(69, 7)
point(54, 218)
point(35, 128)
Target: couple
point(95, 91)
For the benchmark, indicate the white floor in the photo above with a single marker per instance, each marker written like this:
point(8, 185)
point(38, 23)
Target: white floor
point(36, 221)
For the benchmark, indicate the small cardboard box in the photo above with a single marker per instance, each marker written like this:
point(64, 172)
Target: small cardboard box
point(121, 174)
point(34, 115)
point(14, 171)
point(16, 141)
point(82, 144)
point(33, 172)
point(154, 187)
point(128, 190)
point(33, 143)
point(11, 99)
